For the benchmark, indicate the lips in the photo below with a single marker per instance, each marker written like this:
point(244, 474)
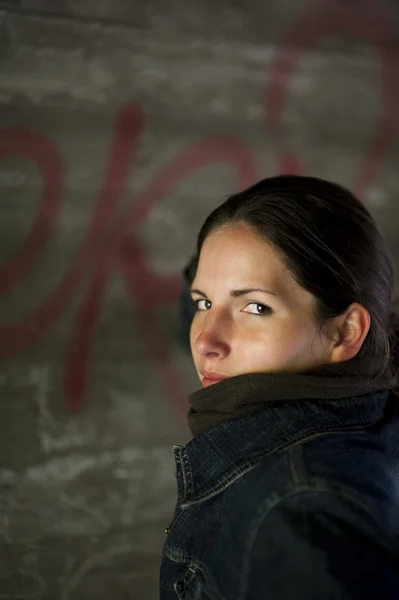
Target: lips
point(209, 378)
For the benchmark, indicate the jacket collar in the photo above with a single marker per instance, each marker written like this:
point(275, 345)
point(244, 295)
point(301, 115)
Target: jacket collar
point(210, 462)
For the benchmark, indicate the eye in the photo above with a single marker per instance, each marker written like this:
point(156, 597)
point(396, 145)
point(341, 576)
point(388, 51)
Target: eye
point(203, 307)
point(258, 309)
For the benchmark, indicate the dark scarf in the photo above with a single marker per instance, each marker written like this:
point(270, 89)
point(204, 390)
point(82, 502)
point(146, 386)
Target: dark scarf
point(238, 395)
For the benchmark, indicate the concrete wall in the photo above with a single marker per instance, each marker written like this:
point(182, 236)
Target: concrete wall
point(122, 125)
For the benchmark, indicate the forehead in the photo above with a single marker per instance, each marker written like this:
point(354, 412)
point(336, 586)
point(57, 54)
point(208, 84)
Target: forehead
point(236, 257)
point(236, 250)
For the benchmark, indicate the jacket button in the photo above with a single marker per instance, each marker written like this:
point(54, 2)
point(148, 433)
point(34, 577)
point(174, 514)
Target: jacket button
point(167, 530)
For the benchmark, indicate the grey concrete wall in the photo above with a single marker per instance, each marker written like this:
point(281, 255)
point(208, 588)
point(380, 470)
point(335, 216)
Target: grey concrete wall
point(122, 125)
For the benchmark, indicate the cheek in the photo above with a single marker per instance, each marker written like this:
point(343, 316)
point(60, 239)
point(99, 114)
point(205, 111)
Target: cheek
point(276, 344)
point(294, 344)
point(293, 332)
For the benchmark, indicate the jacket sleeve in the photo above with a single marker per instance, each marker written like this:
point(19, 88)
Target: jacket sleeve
point(318, 545)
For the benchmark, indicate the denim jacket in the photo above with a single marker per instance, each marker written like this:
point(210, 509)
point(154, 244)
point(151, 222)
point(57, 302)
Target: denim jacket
point(296, 501)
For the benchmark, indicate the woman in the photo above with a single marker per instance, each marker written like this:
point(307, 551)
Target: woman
point(289, 488)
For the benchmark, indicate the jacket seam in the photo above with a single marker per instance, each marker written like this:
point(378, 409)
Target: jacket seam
point(226, 481)
point(297, 466)
point(187, 474)
point(182, 459)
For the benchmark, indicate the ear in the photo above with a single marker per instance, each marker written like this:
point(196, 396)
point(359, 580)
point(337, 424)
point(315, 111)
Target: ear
point(351, 329)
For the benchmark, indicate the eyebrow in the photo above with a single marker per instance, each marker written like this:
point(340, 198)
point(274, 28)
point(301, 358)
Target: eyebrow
point(237, 293)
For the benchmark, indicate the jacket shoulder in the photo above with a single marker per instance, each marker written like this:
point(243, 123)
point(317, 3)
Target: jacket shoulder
point(317, 542)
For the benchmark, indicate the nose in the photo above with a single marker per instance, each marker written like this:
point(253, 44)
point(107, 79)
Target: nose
point(212, 337)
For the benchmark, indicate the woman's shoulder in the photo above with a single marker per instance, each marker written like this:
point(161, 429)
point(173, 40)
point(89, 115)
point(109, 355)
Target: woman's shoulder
point(361, 467)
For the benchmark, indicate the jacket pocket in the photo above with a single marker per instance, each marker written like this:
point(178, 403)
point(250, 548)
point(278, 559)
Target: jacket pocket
point(192, 586)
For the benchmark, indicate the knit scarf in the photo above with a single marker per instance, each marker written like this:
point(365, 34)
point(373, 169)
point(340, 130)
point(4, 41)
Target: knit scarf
point(249, 392)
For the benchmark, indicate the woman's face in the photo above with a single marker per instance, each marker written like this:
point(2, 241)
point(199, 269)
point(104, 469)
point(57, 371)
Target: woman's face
point(251, 315)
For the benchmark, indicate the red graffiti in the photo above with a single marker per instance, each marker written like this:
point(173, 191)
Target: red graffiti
point(366, 19)
point(110, 245)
